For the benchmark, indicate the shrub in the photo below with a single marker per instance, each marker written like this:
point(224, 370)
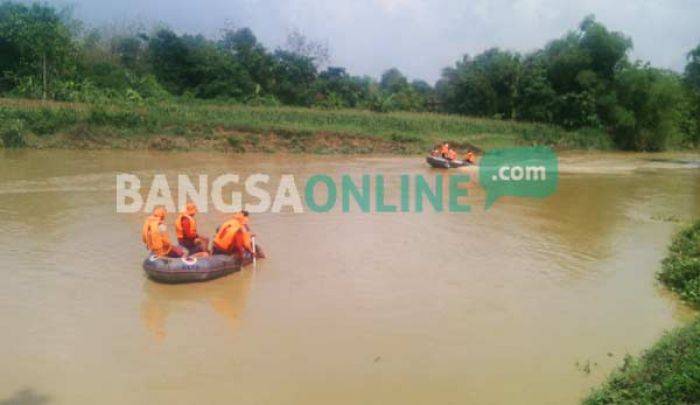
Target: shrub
point(668, 373)
point(235, 142)
point(404, 138)
point(48, 121)
point(680, 271)
point(101, 116)
point(12, 136)
point(264, 101)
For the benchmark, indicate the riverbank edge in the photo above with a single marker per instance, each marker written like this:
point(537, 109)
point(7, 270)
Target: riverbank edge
point(669, 371)
point(185, 126)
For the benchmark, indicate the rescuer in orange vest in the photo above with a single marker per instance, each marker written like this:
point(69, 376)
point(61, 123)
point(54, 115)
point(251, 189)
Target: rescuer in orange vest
point(444, 150)
point(234, 237)
point(469, 157)
point(451, 154)
point(155, 235)
point(186, 231)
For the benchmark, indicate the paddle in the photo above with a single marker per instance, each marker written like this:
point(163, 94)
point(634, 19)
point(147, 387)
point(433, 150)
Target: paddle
point(255, 253)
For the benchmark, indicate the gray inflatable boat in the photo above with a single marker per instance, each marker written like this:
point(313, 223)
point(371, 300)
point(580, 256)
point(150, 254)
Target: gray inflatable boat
point(192, 269)
point(442, 163)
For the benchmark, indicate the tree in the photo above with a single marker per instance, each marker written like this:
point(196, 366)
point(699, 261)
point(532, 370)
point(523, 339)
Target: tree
point(258, 63)
point(299, 44)
point(647, 112)
point(535, 96)
point(294, 75)
point(171, 61)
point(486, 85)
point(35, 43)
point(335, 87)
point(692, 81)
point(393, 81)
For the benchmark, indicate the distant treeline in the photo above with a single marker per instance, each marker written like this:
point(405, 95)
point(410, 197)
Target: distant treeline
point(582, 80)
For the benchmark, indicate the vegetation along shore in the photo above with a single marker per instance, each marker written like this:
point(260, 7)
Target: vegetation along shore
point(669, 372)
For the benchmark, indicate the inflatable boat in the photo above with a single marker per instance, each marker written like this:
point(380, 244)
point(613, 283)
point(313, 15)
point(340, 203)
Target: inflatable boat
point(192, 269)
point(442, 163)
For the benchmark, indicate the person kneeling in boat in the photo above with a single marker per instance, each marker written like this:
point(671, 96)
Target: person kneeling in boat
point(451, 155)
point(155, 235)
point(469, 157)
point(234, 237)
point(186, 231)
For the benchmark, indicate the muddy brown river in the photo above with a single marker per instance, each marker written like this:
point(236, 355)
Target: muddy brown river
point(533, 301)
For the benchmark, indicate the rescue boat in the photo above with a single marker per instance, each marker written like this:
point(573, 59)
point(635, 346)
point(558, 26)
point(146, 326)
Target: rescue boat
point(442, 163)
point(192, 269)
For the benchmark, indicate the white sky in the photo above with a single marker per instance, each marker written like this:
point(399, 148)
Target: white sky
point(419, 37)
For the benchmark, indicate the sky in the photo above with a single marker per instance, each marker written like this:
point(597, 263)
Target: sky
point(419, 37)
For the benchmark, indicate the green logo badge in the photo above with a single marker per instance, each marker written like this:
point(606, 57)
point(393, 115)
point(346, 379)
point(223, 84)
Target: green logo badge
point(519, 172)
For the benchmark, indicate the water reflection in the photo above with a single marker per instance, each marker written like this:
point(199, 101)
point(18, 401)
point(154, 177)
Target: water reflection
point(226, 297)
point(25, 396)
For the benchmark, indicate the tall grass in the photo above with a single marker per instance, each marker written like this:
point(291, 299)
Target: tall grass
point(199, 119)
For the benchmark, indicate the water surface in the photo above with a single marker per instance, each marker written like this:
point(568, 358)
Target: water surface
point(511, 305)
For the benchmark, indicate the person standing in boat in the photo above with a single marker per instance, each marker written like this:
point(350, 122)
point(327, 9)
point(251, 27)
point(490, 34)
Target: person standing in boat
point(186, 231)
point(155, 235)
point(444, 150)
point(234, 237)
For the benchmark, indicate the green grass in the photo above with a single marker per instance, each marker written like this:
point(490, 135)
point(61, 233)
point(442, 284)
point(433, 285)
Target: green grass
point(669, 372)
point(411, 132)
point(681, 269)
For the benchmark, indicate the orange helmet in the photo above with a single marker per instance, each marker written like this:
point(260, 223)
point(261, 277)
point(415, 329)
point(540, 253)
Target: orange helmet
point(191, 209)
point(159, 212)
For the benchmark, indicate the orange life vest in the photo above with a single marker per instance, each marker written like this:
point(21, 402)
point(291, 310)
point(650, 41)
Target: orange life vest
point(180, 232)
point(156, 241)
point(470, 157)
point(444, 150)
point(451, 154)
point(243, 241)
point(225, 236)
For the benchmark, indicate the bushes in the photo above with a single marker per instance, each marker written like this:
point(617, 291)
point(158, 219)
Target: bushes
point(117, 118)
point(12, 136)
point(668, 373)
point(404, 138)
point(42, 121)
point(49, 121)
point(681, 269)
point(235, 142)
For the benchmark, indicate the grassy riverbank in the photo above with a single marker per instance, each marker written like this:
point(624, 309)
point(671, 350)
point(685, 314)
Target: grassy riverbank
point(669, 372)
point(196, 125)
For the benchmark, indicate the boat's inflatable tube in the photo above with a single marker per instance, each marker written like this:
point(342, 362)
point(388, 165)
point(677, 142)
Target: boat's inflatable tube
point(442, 163)
point(192, 269)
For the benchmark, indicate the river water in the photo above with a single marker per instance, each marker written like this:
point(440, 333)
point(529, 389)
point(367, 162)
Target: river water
point(532, 301)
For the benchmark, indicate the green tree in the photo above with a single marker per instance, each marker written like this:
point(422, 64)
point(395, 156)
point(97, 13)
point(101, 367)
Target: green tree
point(393, 81)
point(35, 44)
point(692, 81)
point(647, 112)
point(536, 96)
point(294, 77)
point(486, 85)
point(257, 62)
point(345, 90)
